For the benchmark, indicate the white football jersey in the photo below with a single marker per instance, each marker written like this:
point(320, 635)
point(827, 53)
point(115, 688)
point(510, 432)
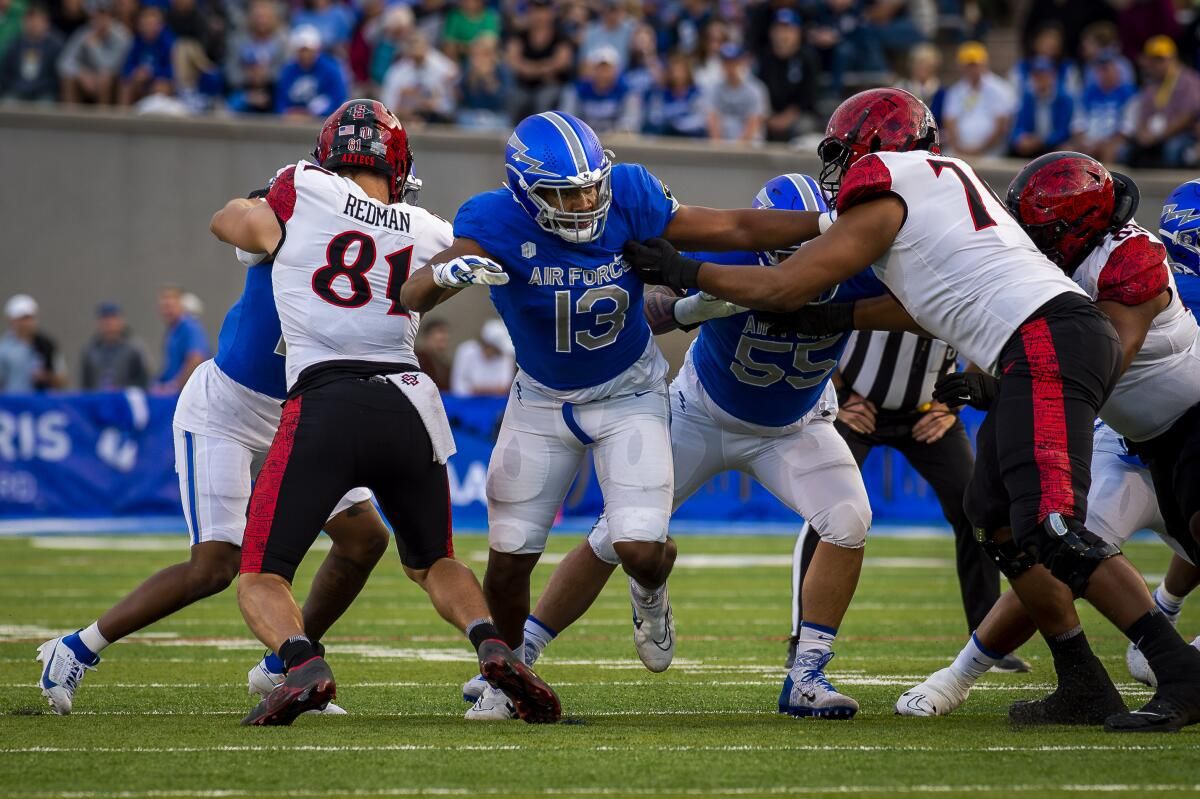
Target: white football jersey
point(340, 267)
point(1163, 380)
point(961, 265)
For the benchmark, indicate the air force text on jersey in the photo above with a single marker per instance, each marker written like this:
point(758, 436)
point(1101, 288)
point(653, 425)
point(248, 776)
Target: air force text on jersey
point(577, 275)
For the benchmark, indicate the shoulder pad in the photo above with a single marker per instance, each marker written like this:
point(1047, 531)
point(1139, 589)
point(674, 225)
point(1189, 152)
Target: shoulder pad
point(867, 179)
point(1136, 271)
point(282, 197)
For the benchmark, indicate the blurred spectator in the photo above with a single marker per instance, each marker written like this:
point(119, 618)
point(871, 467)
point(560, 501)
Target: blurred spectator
point(850, 47)
point(1098, 38)
point(892, 25)
point(433, 351)
point(198, 52)
point(484, 367)
point(978, 107)
point(682, 24)
point(29, 70)
point(1043, 118)
point(149, 59)
point(93, 57)
point(29, 359)
point(677, 109)
point(737, 106)
point(68, 16)
point(614, 29)
point(645, 69)
point(313, 83)
point(791, 73)
point(1102, 109)
point(256, 51)
point(539, 58)
point(924, 64)
point(11, 14)
point(1138, 21)
point(396, 26)
point(333, 21)
point(708, 72)
point(431, 18)
point(1071, 16)
point(483, 87)
point(422, 83)
point(363, 40)
point(185, 344)
point(1047, 44)
point(465, 23)
point(113, 359)
point(601, 98)
point(1159, 129)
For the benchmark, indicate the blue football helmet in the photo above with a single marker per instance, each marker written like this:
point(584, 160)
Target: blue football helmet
point(792, 192)
point(1179, 227)
point(553, 153)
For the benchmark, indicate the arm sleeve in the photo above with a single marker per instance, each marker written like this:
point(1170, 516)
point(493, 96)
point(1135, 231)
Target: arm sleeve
point(1136, 272)
point(867, 179)
point(645, 200)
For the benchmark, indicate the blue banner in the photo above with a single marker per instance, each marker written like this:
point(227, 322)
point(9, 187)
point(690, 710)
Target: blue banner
point(106, 461)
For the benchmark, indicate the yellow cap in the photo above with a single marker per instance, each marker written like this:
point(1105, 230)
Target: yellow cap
point(972, 53)
point(1161, 47)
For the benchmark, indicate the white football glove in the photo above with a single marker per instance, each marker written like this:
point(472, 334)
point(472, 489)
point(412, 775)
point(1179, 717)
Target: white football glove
point(696, 308)
point(467, 270)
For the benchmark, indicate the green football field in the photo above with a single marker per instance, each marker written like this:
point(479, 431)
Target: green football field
point(160, 716)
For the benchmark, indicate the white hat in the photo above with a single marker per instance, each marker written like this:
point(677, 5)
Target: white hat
point(605, 54)
point(495, 334)
point(20, 306)
point(305, 36)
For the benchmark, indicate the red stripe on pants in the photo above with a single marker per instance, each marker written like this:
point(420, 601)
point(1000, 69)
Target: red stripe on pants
point(1049, 421)
point(261, 514)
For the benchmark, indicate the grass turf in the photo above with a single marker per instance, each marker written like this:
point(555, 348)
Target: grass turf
point(160, 716)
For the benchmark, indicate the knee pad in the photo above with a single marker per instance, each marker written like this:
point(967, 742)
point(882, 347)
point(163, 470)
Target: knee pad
point(1070, 551)
point(843, 525)
point(601, 542)
point(1008, 557)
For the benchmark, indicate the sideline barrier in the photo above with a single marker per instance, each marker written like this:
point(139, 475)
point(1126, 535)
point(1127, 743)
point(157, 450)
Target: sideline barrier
point(104, 462)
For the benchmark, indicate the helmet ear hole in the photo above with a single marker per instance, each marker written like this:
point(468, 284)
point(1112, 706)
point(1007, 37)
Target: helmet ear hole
point(1127, 198)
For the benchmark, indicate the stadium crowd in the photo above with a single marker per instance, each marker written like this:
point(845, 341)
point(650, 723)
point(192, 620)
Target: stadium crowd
point(1112, 77)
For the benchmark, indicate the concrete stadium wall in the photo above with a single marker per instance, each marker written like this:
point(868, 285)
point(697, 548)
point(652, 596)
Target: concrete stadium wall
point(99, 206)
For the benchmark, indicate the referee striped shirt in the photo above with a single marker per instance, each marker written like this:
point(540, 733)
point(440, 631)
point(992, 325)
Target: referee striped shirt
point(895, 371)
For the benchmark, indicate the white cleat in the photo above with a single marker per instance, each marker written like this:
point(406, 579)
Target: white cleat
point(262, 681)
point(1139, 668)
point(653, 627)
point(942, 693)
point(62, 672)
point(473, 688)
point(492, 705)
point(812, 695)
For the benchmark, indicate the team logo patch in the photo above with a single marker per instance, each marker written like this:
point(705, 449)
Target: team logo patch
point(345, 130)
point(366, 133)
point(528, 249)
point(409, 379)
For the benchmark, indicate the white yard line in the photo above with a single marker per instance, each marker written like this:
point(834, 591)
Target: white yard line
point(542, 747)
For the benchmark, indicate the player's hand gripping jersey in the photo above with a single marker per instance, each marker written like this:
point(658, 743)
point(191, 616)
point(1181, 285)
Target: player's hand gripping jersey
point(574, 310)
point(1163, 381)
point(340, 267)
point(961, 265)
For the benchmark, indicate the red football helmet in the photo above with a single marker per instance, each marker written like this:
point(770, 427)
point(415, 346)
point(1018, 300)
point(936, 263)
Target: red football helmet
point(364, 134)
point(1067, 201)
point(891, 120)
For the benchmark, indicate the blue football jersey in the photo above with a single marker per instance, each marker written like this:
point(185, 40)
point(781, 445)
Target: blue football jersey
point(574, 311)
point(1189, 291)
point(762, 378)
point(249, 339)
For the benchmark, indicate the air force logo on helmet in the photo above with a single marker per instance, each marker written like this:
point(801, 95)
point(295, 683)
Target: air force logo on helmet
point(1179, 227)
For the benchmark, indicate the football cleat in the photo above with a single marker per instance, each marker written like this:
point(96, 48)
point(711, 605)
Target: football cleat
point(534, 701)
point(261, 681)
point(490, 705)
point(812, 694)
point(309, 686)
point(1139, 667)
point(1012, 663)
point(1172, 708)
point(474, 688)
point(653, 627)
point(63, 670)
point(942, 693)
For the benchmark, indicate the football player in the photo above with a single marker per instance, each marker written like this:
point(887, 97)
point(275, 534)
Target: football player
point(224, 421)
point(1066, 201)
point(590, 376)
point(755, 400)
point(966, 272)
point(359, 410)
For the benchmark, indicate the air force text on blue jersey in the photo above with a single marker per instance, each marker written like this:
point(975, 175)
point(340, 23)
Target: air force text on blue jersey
point(578, 275)
point(376, 214)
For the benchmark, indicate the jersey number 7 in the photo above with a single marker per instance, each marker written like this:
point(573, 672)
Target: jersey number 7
point(975, 204)
point(324, 279)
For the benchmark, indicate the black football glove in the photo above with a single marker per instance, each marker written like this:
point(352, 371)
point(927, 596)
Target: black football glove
point(658, 264)
point(967, 388)
point(826, 319)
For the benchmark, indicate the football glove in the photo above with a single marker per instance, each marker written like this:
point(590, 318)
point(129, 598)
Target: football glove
point(467, 270)
point(658, 264)
point(967, 388)
point(826, 319)
point(696, 308)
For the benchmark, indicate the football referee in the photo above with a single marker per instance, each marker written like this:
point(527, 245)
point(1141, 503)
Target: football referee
point(885, 390)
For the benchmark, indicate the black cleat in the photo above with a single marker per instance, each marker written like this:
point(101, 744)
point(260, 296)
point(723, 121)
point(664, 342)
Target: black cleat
point(793, 644)
point(534, 700)
point(1173, 707)
point(1012, 663)
point(307, 687)
point(1086, 696)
